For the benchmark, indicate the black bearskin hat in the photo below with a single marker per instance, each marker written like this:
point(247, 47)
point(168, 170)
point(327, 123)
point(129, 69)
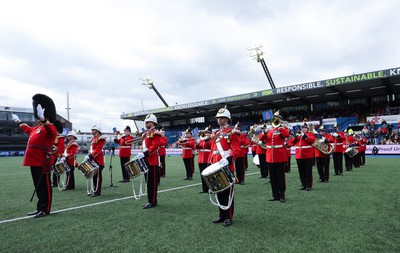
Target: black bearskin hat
point(46, 103)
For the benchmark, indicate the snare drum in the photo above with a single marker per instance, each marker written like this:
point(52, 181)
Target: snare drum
point(351, 152)
point(217, 177)
point(89, 168)
point(60, 167)
point(136, 166)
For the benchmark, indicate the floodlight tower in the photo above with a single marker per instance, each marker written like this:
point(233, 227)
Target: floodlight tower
point(148, 82)
point(259, 57)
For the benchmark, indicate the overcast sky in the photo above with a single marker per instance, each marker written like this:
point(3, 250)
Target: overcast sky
point(192, 49)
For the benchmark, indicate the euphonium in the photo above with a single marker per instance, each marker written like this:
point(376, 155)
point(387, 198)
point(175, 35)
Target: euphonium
point(326, 148)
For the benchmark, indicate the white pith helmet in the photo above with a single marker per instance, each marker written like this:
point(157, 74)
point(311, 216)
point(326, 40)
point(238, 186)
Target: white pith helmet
point(151, 118)
point(97, 127)
point(223, 112)
point(72, 133)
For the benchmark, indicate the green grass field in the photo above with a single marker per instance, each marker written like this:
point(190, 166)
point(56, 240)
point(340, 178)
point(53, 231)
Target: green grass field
point(358, 212)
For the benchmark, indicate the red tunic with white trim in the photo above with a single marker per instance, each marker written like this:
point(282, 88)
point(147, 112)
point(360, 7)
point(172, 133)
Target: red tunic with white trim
point(230, 146)
point(97, 143)
point(71, 151)
point(204, 148)
point(304, 148)
point(338, 142)
point(275, 140)
point(41, 140)
point(187, 147)
point(348, 140)
point(125, 145)
point(151, 144)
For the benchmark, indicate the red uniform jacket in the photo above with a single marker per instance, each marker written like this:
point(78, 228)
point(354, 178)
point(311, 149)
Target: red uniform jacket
point(125, 145)
point(96, 149)
point(151, 144)
point(304, 148)
point(275, 140)
point(319, 153)
point(187, 147)
point(59, 147)
point(259, 149)
point(204, 148)
point(363, 144)
point(230, 144)
point(338, 142)
point(253, 146)
point(163, 146)
point(289, 144)
point(41, 140)
point(71, 152)
point(245, 143)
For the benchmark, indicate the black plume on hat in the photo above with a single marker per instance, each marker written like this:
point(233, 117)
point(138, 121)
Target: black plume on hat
point(58, 125)
point(46, 103)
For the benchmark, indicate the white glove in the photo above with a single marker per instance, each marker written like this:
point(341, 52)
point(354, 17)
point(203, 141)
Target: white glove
point(260, 142)
point(224, 162)
point(62, 159)
point(15, 118)
point(86, 158)
point(321, 140)
point(40, 112)
point(140, 155)
point(335, 135)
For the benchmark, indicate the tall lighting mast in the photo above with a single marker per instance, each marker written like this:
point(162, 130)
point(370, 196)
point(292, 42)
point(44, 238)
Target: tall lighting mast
point(257, 54)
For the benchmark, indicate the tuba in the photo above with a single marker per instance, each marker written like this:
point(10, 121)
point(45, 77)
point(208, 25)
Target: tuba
point(326, 148)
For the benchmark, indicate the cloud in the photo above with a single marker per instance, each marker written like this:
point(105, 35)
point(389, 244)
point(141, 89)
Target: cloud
point(193, 50)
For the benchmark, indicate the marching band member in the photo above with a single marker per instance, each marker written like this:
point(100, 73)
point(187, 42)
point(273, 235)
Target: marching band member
point(59, 146)
point(225, 148)
point(239, 161)
point(151, 142)
point(321, 158)
point(276, 156)
point(357, 158)
point(288, 145)
point(362, 149)
point(96, 154)
point(337, 154)
point(203, 146)
point(125, 146)
point(163, 152)
point(188, 143)
point(39, 149)
point(348, 142)
point(70, 153)
point(304, 156)
point(261, 152)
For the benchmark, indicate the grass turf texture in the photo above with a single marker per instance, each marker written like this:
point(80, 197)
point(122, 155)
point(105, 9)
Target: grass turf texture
point(357, 212)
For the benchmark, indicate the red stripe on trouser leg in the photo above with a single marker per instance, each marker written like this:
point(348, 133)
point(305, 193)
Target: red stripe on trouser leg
point(49, 193)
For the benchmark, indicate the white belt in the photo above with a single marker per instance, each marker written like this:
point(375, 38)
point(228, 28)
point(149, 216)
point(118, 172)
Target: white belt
point(304, 147)
point(162, 146)
point(227, 152)
point(275, 146)
point(337, 144)
point(186, 148)
point(204, 150)
point(125, 147)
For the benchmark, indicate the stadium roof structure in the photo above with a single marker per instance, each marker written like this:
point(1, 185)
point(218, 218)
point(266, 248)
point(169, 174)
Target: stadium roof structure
point(375, 83)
